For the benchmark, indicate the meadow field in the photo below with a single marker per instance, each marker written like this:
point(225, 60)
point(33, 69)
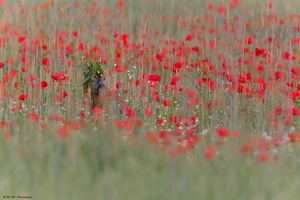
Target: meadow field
point(202, 100)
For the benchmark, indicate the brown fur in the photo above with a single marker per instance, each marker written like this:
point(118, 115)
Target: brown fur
point(98, 96)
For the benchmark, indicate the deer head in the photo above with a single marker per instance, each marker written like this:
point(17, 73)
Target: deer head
point(98, 83)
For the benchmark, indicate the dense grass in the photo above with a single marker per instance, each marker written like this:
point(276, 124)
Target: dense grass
point(96, 165)
point(224, 144)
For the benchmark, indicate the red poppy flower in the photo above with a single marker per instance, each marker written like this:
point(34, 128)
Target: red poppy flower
point(130, 112)
point(154, 77)
point(44, 84)
point(293, 137)
point(166, 102)
point(33, 116)
point(162, 134)
point(148, 112)
point(75, 125)
point(45, 61)
point(263, 157)
point(10, 61)
point(65, 94)
point(250, 40)
point(174, 80)
point(287, 56)
point(97, 111)
point(70, 63)
point(120, 69)
point(222, 132)
point(210, 6)
point(22, 97)
point(56, 117)
point(24, 69)
point(151, 137)
point(279, 75)
point(63, 132)
point(209, 106)
point(189, 37)
point(191, 94)
point(159, 121)
point(295, 111)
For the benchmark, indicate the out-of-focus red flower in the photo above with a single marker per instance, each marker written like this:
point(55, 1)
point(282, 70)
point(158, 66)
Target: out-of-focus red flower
point(263, 146)
point(178, 64)
point(161, 134)
point(293, 137)
point(151, 137)
point(287, 56)
point(290, 83)
point(246, 147)
point(191, 94)
point(210, 6)
point(59, 76)
point(24, 69)
point(118, 123)
point(250, 40)
point(173, 119)
point(45, 61)
point(159, 121)
point(263, 157)
point(118, 84)
point(33, 116)
point(63, 132)
point(208, 106)
point(295, 111)
point(10, 61)
point(22, 97)
point(287, 121)
point(65, 94)
point(130, 112)
point(189, 37)
point(223, 132)
point(116, 34)
point(212, 84)
point(166, 102)
point(70, 63)
point(195, 49)
point(139, 123)
point(21, 39)
point(75, 125)
point(7, 136)
point(75, 34)
point(121, 4)
point(44, 84)
point(126, 90)
point(174, 80)
point(154, 77)
point(148, 112)
point(235, 134)
point(56, 117)
point(120, 69)
point(97, 111)
point(279, 75)
point(209, 154)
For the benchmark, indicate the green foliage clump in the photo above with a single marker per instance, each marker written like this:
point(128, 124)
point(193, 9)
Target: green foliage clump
point(91, 68)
